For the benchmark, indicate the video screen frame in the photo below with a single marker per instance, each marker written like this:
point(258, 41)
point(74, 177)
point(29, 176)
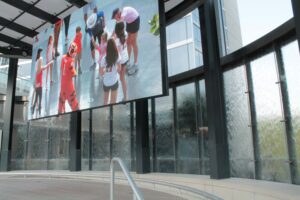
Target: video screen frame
point(164, 68)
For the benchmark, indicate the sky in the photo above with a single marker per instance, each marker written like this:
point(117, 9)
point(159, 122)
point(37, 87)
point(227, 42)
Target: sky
point(258, 17)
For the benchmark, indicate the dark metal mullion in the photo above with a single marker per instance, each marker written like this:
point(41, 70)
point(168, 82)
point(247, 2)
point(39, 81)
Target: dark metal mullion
point(48, 147)
point(175, 129)
point(153, 123)
point(253, 122)
point(132, 137)
point(90, 140)
point(8, 117)
point(111, 132)
point(198, 125)
point(218, 141)
point(287, 116)
point(26, 145)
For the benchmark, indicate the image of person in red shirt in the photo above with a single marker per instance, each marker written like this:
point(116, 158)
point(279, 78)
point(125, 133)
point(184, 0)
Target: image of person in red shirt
point(78, 42)
point(67, 88)
point(38, 87)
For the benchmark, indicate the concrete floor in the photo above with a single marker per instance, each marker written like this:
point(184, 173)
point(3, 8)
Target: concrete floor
point(56, 189)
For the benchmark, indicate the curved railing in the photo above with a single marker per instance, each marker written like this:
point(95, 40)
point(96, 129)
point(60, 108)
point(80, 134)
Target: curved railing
point(136, 192)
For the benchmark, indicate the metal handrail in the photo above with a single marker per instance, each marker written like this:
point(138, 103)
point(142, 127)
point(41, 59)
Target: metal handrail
point(136, 192)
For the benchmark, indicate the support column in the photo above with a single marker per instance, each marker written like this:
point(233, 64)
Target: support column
point(91, 140)
point(8, 116)
point(142, 137)
point(75, 142)
point(296, 9)
point(218, 146)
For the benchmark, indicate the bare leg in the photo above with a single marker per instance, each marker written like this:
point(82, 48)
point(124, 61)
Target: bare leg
point(123, 81)
point(76, 60)
point(51, 65)
point(129, 47)
point(79, 67)
point(56, 37)
point(135, 46)
point(47, 72)
point(93, 54)
point(106, 94)
point(85, 18)
point(113, 96)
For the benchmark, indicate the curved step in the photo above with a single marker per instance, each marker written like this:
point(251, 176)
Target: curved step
point(181, 191)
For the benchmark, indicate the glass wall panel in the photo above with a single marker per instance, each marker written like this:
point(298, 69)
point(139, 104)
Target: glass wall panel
point(3, 74)
point(237, 120)
point(203, 130)
point(291, 60)
point(19, 137)
point(37, 156)
point(184, 44)
point(122, 133)
point(187, 140)
point(101, 139)
point(2, 107)
point(23, 77)
point(59, 139)
point(271, 130)
point(238, 26)
point(164, 119)
point(85, 140)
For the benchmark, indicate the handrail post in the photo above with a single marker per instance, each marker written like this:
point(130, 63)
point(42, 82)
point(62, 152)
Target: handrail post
point(137, 195)
point(112, 180)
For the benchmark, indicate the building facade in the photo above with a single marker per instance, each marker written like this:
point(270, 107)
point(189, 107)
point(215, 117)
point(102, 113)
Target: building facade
point(259, 93)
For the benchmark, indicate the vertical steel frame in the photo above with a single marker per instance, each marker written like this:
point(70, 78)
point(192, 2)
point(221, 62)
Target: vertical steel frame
point(153, 123)
point(218, 145)
point(142, 137)
point(5, 155)
point(175, 125)
point(253, 122)
point(91, 140)
point(132, 137)
point(75, 142)
point(287, 116)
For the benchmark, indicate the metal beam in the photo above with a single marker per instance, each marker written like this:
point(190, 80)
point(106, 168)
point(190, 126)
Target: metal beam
point(15, 42)
point(181, 10)
point(13, 52)
point(16, 27)
point(77, 3)
point(296, 9)
point(282, 32)
point(26, 7)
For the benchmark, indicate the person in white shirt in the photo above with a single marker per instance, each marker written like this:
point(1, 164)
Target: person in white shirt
point(110, 68)
point(122, 48)
point(49, 58)
point(132, 18)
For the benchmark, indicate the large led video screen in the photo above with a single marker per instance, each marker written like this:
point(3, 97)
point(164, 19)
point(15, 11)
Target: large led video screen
point(107, 52)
